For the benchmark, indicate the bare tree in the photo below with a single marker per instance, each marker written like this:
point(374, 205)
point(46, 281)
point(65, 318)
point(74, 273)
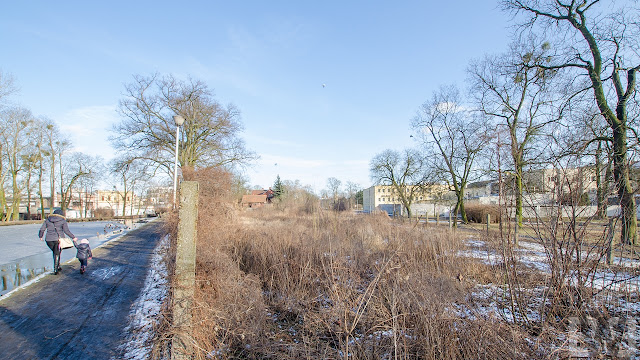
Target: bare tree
point(3, 171)
point(17, 124)
point(7, 86)
point(87, 183)
point(510, 90)
point(73, 167)
point(583, 137)
point(31, 159)
point(209, 136)
point(452, 138)
point(405, 172)
point(333, 185)
point(601, 48)
point(54, 143)
point(351, 189)
point(130, 173)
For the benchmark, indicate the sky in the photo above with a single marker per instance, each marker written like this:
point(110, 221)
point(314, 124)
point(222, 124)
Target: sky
point(322, 86)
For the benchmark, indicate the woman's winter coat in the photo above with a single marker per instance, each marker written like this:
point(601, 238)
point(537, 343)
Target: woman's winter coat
point(55, 227)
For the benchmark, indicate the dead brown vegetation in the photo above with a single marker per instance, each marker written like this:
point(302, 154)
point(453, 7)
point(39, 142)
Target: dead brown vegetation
point(273, 283)
point(291, 281)
point(328, 286)
point(478, 213)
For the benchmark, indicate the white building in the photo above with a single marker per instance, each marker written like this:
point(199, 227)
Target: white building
point(433, 198)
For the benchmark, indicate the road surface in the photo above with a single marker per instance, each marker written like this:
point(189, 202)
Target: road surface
point(79, 316)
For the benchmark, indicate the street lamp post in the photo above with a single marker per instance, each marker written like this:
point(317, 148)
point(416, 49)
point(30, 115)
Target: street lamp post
point(179, 120)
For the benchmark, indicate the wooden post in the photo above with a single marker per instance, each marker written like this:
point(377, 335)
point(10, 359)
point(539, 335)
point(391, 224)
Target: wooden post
point(185, 276)
point(609, 241)
point(488, 222)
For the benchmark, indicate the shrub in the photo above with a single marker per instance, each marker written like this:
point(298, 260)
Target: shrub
point(103, 213)
point(340, 204)
point(477, 213)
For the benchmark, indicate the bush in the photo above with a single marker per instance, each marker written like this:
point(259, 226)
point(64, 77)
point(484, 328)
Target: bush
point(214, 193)
point(340, 204)
point(477, 213)
point(103, 213)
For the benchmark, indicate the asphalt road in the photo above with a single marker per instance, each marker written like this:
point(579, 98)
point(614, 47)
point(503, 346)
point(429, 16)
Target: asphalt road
point(79, 316)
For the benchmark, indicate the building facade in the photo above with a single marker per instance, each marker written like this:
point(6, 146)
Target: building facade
point(387, 198)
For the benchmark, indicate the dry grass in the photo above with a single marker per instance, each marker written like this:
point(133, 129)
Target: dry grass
point(293, 282)
point(271, 284)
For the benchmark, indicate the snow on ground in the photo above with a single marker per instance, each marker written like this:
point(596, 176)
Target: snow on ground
point(619, 283)
point(145, 310)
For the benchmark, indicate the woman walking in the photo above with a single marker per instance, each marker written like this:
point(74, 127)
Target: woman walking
point(55, 227)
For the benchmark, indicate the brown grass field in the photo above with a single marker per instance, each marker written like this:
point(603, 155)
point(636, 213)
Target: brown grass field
point(338, 285)
point(292, 281)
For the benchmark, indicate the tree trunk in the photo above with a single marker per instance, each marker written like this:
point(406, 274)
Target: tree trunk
point(40, 174)
point(3, 202)
point(618, 123)
point(460, 205)
point(518, 194)
point(17, 197)
point(29, 196)
point(124, 204)
point(601, 189)
point(463, 213)
point(52, 181)
point(623, 186)
point(5, 208)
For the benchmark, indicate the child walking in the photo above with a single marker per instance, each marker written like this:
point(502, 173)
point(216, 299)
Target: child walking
point(84, 253)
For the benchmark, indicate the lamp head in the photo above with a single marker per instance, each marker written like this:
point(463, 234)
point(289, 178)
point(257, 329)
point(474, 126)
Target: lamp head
point(179, 120)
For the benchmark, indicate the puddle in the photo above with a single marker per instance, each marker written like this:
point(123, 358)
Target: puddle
point(19, 272)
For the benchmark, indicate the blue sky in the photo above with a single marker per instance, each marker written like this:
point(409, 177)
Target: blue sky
point(379, 62)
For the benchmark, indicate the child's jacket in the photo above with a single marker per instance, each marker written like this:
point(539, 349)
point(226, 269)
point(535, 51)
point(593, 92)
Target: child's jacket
point(84, 251)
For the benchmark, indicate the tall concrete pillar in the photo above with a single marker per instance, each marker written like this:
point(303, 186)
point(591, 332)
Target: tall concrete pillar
point(185, 276)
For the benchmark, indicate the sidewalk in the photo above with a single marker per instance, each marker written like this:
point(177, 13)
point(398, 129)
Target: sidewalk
point(75, 316)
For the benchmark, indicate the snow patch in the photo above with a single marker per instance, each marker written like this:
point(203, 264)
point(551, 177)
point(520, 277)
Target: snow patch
point(145, 310)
